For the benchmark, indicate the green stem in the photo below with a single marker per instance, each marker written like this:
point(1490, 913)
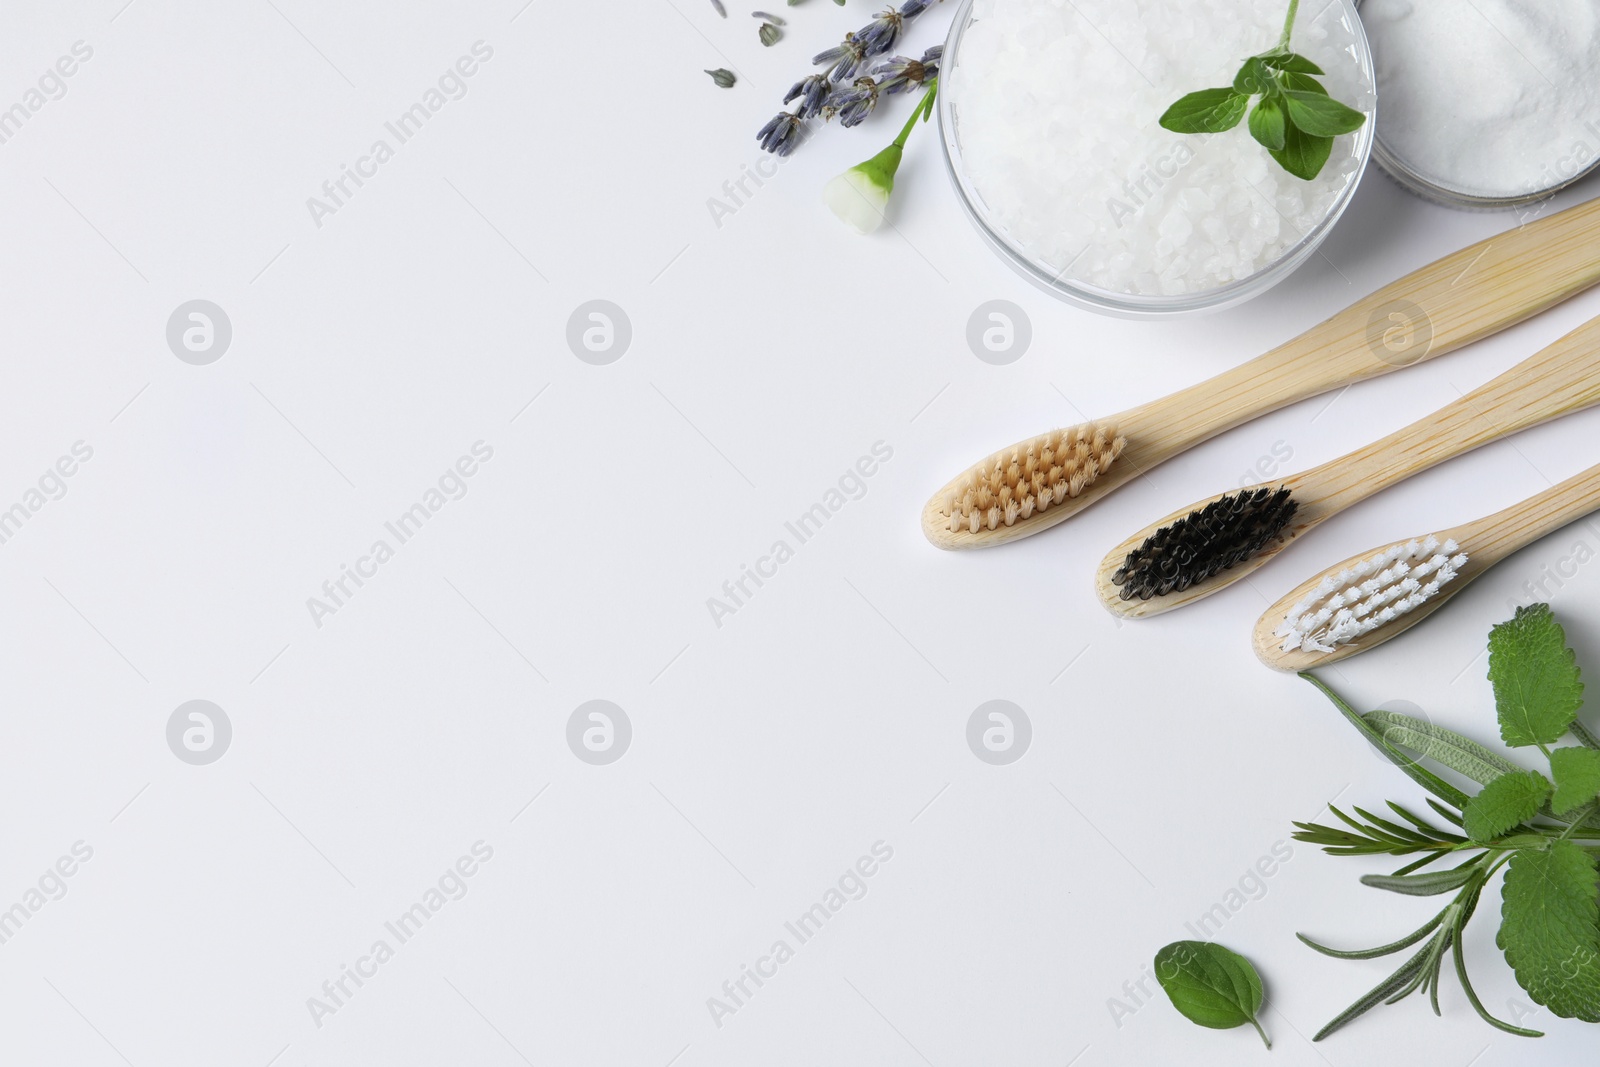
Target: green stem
point(1264, 1038)
point(1588, 810)
point(924, 108)
point(1288, 25)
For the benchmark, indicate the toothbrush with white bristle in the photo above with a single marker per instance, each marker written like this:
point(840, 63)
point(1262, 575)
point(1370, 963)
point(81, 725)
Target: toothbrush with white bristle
point(1377, 596)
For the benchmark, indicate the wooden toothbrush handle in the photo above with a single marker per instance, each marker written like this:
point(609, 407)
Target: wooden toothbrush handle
point(1557, 380)
point(1454, 301)
point(1495, 537)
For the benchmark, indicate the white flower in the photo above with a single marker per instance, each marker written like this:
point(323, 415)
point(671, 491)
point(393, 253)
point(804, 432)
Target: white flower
point(860, 195)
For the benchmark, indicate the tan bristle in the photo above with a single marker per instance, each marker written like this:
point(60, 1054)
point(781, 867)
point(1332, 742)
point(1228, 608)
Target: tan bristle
point(1032, 477)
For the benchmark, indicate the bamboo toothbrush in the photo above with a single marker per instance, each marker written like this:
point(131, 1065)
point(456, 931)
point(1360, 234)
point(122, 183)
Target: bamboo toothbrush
point(1454, 301)
point(1209, 545)
point(1376, 597)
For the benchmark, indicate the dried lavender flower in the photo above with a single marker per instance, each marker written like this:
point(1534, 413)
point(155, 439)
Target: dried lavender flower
point(724, 78)
point(852, 105)
point(781, 134)
point(770, 34)
point(897, 73)
point(842, 59)
point(879, 35)
point(812, 92)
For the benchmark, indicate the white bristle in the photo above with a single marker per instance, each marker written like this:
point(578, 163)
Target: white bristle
point(1343, 607)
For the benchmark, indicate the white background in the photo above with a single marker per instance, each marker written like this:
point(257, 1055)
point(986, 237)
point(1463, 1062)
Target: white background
point(769, 352)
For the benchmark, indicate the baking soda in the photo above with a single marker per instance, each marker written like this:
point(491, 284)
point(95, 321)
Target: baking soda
point(1493, 98)
point(1057, 103)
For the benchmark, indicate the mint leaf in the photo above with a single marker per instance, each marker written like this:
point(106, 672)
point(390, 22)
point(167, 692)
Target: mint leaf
point(1550, 928)
point(1302, 155)
point(1537, 690)
point(1206, 111)
point(1577, 775)
point(1321, 115)
point(1267, 123)
point(1211, 985)
point(1503, 803)
point(1291, 61)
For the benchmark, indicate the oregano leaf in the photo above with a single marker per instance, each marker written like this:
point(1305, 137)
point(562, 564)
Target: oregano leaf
point(1577, 775)
point(1205, 111)
point(1320, 115)
point(1302, 155)
point(1253, 78)
point(1304, 83)
point(1211, 985)
point(1267, 123)
point(1505, 802)
point(1537, 688)
point(1550, 928)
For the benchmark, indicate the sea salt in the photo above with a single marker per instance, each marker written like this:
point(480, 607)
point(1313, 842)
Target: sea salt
point(1056, 105)
point(1493, 98)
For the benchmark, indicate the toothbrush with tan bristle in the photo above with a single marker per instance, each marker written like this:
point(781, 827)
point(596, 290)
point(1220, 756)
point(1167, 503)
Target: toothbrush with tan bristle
point(1372, 598)
point(1206, 547)
point(1453, 301)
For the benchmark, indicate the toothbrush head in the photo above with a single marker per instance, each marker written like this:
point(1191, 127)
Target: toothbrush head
point(1028, 479)
point(1370, 594)
point(1224, 533)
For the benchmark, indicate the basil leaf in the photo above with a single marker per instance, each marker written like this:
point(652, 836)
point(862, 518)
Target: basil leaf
point(1537, 689)
point(1267, 123)
point(1321, 115)
point(1291, 61)
point(1211, 985)
point(1505, 802)
point(1302, 155)
point(1301, 83)
point(1206, 111)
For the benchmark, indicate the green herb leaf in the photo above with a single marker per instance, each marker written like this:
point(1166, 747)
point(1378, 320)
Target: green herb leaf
point(1291, 61)
point(1320, 115)
point(1267, 123)
point(1302, 155)
point(1577, 775)
point(1460, 754)
point(1505, 802)
point(1550, 928)
point(1422, 885)
point(1254, 78)
point(1206, 111)
point(1537, 689)
point(1211, 985)
point(1303, 83)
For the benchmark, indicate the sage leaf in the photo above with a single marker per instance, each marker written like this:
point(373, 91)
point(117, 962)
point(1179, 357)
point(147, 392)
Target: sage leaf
point(1537, 688)
point(1577, 775)
point(1462, 755)
point(1302, 154)
point(1550, 928)
point(1205, 111)
point(1505, 802)
point(1211, 985)
point(1267, 123)
point(1320, 115)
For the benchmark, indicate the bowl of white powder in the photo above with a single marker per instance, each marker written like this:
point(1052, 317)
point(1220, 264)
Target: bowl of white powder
point(1049, 114)
point(1487, 104)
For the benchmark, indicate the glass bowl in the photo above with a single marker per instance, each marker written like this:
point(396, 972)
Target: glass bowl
point(1140, 305)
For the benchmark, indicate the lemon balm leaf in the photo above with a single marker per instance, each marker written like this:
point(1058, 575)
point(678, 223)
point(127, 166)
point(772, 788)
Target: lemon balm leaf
point(1550, 928)
point(1505, 802)
point(1537, 687)
point(1210, 985)
point(1577, 775)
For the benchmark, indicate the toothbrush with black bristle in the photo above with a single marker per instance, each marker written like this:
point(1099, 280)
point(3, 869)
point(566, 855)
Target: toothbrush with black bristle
point(1376, 596)
point(1480, 290)
point(1206, 547)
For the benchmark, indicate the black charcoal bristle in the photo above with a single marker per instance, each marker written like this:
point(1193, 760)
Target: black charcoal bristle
point(1224, 533)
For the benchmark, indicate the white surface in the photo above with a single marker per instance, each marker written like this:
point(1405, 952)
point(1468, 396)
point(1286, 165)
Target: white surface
point(769, 353)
